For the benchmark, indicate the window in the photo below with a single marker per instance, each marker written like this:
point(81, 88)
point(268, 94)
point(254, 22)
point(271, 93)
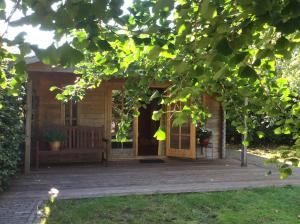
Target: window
point(71, 113)
point(118, 102)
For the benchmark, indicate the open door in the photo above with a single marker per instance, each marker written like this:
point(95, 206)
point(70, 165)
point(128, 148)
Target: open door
point(181, 140)
point(147, 144)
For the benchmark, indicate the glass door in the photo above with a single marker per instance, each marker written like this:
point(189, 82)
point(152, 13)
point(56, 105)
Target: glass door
point(181, 140)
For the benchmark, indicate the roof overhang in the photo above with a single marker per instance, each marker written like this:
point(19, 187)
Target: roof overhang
point(33, 64)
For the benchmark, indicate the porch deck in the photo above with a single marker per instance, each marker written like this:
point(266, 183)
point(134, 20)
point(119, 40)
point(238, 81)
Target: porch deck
point(27, 193)
point(133, 177)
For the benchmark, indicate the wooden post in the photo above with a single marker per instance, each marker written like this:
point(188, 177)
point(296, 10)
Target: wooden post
point(136, 135)
point(161, 144)
point(28, 127)
point(223, 154)
point(245, 137)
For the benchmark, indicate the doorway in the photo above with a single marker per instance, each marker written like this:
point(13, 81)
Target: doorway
point(147, 144)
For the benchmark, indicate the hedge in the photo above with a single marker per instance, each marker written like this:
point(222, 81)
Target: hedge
point(269, 139)
point(11, 136)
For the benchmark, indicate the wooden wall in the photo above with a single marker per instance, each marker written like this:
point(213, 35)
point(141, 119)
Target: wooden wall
point(95, 109)
point(91, 111)
point(215, 125)
point(50, 111)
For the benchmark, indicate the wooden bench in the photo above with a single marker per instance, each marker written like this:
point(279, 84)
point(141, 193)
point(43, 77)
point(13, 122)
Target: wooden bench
point(82, 144)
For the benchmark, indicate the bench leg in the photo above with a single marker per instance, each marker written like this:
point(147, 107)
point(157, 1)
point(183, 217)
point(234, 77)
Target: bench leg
point(104, 159)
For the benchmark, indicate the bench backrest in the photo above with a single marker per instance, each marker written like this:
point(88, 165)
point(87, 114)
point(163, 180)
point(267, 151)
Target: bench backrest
point(78, 137)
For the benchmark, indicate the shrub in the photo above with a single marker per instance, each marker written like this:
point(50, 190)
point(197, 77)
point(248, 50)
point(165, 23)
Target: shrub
point(203, 133)
point(11, 136)
point(269, 139)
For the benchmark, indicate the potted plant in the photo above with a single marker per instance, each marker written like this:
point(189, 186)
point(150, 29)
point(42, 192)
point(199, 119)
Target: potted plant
point(203, 135)
point(54, 138)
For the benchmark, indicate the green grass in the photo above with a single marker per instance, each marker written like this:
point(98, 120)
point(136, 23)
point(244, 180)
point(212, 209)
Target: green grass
point(253, 206)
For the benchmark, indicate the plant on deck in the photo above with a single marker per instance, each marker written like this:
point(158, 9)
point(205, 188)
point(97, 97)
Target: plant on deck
point(54, 135)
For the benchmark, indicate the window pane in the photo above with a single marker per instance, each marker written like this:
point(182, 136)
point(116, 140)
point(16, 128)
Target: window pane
point(74, 111)
point(185, 142)
point(185, 128)
point(71, 113)
point(174, 129)
point(174, 141)
point(74, 122)
point(67, 113)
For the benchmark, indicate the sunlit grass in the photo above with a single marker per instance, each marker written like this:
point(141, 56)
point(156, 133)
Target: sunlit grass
point(265, 205)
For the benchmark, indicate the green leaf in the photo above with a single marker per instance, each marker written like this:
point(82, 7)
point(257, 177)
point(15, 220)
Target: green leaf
point(156, 115)
point(99, 8)
point(181, 67)
point(223, 47)
point(63, 19)
point(281, 82)
point(278, 131)
point(104, 45)
point(239, 57)
point(208, 10)
point(286, 130)
point(181, 29)
point(160, 134)
point(245, 91)
point(53, 88)
point(260, 134)
point(247, 72)
point(69, 56)
point(48, 56)
point(245, 143)
point(60, 96)
point(285, 172)
point(262, 7)
point(180, 119)
point(164, 5)
point(19, 38)
point(20, 67)
point(154, 53)
point(3, 84)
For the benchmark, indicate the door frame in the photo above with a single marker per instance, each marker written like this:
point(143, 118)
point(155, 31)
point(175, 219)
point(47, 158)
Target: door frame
point(109, 86)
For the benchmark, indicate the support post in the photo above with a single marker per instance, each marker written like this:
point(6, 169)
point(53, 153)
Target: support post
point(28, 127)
point(161, 144)
point(223, 155)
point(245, 137)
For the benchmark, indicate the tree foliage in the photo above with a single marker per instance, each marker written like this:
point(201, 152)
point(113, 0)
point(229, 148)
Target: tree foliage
point(227, 48)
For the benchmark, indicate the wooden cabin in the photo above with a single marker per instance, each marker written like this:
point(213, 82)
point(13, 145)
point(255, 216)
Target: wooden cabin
point(91, 124)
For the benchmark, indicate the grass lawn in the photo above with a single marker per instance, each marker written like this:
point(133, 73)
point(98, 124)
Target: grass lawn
point(253, 206)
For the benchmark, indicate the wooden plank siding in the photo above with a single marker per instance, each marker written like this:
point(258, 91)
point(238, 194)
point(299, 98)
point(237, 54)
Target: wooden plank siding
point(91, 111)
point(214, 124)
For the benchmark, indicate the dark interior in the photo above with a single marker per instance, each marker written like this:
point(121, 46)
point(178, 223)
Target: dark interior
point(147, 144)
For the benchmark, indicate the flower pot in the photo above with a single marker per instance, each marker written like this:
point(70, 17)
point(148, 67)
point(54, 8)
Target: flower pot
point(204, 142)
point(55, 146)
